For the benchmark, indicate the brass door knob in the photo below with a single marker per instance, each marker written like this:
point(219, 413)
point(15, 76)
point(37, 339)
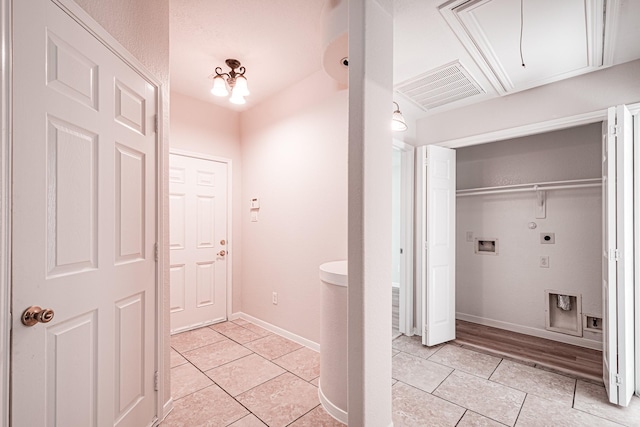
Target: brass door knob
point(222, 253)
point(35, 314)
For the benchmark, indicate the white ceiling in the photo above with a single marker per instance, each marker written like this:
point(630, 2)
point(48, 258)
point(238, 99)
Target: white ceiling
point(279, 42)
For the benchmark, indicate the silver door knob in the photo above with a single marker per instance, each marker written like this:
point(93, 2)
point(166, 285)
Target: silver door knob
point(35, 314)
point(222, 253)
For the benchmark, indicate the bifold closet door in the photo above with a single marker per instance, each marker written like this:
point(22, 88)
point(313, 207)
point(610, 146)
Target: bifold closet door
point(438, 296)
point(617, 256)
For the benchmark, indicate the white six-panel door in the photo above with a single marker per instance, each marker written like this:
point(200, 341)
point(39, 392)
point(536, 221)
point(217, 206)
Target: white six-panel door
point(199, 246)
point(438, 243)
point(84, 227)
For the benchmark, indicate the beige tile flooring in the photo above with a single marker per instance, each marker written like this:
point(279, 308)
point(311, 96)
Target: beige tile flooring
point(238, 374)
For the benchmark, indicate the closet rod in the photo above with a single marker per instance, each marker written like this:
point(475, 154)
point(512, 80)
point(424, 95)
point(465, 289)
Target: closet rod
point(555, 185)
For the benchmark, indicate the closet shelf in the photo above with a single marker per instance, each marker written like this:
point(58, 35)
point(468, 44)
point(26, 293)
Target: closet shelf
point(542, 186)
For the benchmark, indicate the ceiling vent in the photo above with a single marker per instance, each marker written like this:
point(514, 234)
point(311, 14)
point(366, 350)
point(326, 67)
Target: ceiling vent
point(444, 85)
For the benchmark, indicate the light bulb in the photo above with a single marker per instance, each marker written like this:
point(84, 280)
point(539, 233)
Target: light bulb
point(397, 122)
point(236, 97)
point(219, 87)
point(241, 86)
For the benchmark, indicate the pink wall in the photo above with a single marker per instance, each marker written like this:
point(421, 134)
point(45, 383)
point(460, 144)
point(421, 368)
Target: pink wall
point(205, 128)
point(294, 159)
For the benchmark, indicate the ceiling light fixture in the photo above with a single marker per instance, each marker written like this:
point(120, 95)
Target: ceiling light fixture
point(397, 121)
point(233, 81)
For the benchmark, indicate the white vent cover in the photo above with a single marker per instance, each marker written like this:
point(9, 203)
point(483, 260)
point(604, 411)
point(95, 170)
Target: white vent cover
point(444, 85)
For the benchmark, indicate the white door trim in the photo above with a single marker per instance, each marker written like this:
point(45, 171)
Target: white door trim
point(636, 207)
point(92, 26)
point(534, 128)
point(406, 236)
point(230, 249)
point(5, 211)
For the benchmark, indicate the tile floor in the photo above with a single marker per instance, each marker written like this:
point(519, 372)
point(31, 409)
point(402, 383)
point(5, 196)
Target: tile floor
point(238, 374)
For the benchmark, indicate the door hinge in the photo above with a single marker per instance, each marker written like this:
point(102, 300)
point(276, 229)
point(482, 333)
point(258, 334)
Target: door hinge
point(426, 244)
point(156, 123)
point(614, 254)
point(155, 380)
point(425, 328)
point(155, 252)
point(618, 380)
point(614, 130)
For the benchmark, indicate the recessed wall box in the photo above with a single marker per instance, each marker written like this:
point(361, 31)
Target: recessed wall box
point(486, 246)
point(563, 312)
point(592, 323)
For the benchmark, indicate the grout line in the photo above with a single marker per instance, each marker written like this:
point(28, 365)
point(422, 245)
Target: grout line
point(463, 414)
point(521, 406)
point(495, 369)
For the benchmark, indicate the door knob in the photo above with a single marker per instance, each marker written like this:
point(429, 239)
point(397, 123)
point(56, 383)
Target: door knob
point(35, 314)
point(222, 253)
point(223, 242)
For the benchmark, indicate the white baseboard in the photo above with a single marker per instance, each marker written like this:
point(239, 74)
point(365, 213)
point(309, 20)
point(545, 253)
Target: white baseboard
point(277, 330)
point(332, 409)
point(527, 330)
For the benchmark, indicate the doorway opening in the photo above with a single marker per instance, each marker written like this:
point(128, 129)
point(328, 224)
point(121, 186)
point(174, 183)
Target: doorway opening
point(402, 238)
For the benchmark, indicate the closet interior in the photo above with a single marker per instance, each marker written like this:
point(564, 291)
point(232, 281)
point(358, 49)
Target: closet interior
point(529, 236)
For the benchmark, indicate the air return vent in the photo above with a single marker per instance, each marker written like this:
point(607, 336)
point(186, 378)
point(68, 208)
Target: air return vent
point(441, 86)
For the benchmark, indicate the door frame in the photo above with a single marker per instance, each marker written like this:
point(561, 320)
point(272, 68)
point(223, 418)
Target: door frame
point(406, 236)
point(636, 207)
point(6, 143)
point(230, 251)
point(5, 211)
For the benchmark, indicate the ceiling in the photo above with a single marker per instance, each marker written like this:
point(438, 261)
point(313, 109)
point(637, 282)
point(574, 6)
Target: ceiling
point(447, 54)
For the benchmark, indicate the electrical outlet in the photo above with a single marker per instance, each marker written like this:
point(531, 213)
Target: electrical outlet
point(274, 298)
point(544, 262)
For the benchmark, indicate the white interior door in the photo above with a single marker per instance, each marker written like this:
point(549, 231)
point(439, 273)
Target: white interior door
point(84, 227)
point(438, 279)
point(617, 266)
point(199, 246)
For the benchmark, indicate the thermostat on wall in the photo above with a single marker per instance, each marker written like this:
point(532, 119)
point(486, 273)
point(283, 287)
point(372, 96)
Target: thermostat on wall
point(255, 203)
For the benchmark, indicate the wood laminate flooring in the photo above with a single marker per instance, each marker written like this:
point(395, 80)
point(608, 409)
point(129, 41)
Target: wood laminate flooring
point(578, 361)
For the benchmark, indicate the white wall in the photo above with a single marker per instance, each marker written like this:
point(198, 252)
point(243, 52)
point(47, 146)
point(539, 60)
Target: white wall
point(294, 159)
point(509, 287)
point(205, 128)
point(582, 94)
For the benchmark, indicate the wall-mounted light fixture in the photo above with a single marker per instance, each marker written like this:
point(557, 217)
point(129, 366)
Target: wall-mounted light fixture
point(233, 81)
point(397, 121)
